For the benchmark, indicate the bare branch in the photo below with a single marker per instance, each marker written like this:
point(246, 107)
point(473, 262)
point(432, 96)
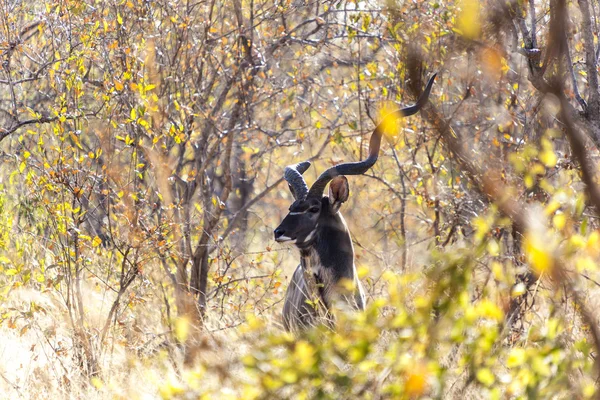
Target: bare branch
point(590, 58)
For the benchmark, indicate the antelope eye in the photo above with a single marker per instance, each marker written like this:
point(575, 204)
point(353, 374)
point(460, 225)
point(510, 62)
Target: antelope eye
point(314, 210)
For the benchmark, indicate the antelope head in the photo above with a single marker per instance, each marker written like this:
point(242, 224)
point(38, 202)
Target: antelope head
point(310, 208)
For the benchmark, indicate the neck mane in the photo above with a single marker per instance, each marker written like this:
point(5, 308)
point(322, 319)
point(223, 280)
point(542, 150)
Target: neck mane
point(331, 248)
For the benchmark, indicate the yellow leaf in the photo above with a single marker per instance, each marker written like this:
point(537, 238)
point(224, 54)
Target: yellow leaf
point(548, 157)
point(538, 254)
point(391, 120)
point(516, 357)
point(585, 263)
point(487, 309)
point(492, 63)
point(304, 355)
point(493, 248)
point(559, 221)
point(592, 245)
point(97, 382)
point(76, 140)
point(485, 376)
point(182, 328)
point(469, 19)
point(362, 271)
point(551, 207)
point(96, 241)
point(416, 383)
point(518, 290)
point(540, 365)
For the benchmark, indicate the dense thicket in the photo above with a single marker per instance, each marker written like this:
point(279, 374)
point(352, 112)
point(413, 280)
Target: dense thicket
point(142, 151)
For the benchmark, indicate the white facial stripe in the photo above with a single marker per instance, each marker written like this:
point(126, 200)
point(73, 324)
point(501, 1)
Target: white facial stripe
point(298, 213)
point(310, 236)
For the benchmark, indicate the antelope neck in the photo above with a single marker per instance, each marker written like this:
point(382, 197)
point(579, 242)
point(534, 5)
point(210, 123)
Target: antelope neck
point(330, 248)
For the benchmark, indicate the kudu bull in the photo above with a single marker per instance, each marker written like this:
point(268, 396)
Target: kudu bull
point(326, 277)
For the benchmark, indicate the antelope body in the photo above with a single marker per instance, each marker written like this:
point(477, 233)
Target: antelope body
point(326, 278)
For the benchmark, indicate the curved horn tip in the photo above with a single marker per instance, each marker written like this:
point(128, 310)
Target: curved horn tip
point(300, 167)
point(424, 98)
point(431, 79)
point(303, 166)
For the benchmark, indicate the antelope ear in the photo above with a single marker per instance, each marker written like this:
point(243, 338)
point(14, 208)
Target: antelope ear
point(338, 192)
